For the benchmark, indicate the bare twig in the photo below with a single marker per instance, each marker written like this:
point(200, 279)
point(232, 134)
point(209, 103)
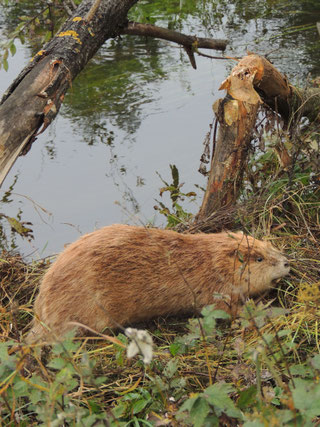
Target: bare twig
point(190, 43)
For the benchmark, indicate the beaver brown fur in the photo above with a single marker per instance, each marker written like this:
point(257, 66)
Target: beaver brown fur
point(123, 274)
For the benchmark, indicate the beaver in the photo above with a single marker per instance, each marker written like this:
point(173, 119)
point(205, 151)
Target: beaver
point(121, 274)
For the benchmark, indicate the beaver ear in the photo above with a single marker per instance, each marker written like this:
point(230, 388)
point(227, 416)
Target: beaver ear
point(232, 253)
point(236, 253)
point(268, 244)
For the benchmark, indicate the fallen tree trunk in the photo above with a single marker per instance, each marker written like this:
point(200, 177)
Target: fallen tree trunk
point(34, 98)
point(253, 81)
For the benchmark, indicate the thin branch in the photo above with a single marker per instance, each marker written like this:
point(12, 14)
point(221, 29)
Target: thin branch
point(218, 57)
point(190, 43)
point(190, 54)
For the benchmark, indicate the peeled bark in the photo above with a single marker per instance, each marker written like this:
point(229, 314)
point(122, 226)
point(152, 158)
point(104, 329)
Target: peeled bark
point(236, 119)
point(253, 81)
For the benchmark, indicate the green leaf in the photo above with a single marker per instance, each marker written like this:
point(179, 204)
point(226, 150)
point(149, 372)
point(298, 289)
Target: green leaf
point(4, 356)
point(284, 332)
point(268, 338)
point(47, 36)
point(99, 380)
point(199, 411)
point(217, 395)
point(210, 314)
point(175, 175)
point(13, 49)
point(301, 370)
point(170, 369)
point(187, 405)
point(277, 312)
point(22, 39)
point(91, 420)
point(175, 348)
point(315, 361)
point(5, 64)
point(217, 314)
point(247, 397)
point(306, 397)
point(211, 421)
point(18, 226)
point(178, 383)
point(67, 346)
point(65, 377)
point(209, 324)
point(57, 363)
point(132, 396)
point(139, 405)
point(21, 389)
point(254, 423)
point(120, 410)
point(95, 407)
point(36, 396)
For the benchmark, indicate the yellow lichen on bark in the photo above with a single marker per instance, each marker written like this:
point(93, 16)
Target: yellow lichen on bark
point(72, 34)
point(40, 53)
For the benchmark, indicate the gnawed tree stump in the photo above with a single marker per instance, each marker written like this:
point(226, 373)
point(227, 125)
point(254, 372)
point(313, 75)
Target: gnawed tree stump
point(252, 82)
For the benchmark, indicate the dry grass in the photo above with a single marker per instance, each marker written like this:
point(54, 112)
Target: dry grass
point(282, 328)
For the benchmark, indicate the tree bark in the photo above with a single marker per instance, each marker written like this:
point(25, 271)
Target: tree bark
point(34, 98)
point(253, 80)
point(148, 30)
point(236, 120)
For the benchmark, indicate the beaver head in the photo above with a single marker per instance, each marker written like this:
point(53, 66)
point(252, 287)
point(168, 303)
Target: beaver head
point(257, 264)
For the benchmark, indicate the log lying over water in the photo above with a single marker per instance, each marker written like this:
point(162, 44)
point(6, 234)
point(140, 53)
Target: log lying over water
point(34, 98)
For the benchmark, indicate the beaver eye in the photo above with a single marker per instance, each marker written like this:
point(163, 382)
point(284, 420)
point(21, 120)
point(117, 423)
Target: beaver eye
point(259, 259)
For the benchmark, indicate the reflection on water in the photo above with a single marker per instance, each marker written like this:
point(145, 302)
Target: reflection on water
point(136, 108)
point(120, 82)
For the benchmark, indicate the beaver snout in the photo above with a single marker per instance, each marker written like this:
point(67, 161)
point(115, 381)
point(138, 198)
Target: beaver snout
point(286, 263)
point(283, 269)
